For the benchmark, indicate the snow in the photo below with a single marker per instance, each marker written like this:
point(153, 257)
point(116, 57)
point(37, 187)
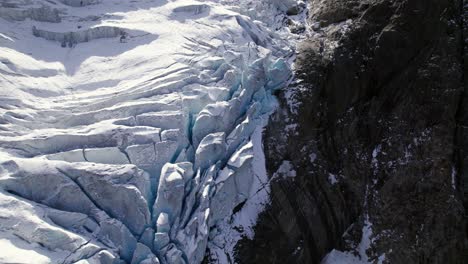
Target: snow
point(340, 257)
point(140, 148)
point(375, 154)
point(230, 231)
point(19, 251)
point(110, 155)
point(313, 157)
point(454, 178)
point(210, 149)
point(286, 170)
point(375, 162)
point(332, 178)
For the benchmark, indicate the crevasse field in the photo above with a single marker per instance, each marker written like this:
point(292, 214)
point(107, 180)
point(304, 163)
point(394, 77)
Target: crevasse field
point(137, 149)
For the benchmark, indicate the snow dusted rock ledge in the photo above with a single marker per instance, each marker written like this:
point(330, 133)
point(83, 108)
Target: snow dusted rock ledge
point(136, 152)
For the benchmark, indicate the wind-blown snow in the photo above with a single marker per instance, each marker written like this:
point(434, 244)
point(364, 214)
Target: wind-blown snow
point(358, 257)
point(130, 131)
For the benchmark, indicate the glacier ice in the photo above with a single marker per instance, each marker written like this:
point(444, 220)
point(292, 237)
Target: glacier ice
point(72, 38)
point(21, 10)
point(168, 204)
point(132, 152)
point(79, 3)
point(109, 155)
point(210, 149)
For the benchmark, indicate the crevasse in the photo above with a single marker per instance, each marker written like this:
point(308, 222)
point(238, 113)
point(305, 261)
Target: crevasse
point(132, 152)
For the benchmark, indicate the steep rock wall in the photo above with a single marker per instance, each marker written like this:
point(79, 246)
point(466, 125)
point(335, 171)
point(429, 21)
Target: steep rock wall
point(373, 129)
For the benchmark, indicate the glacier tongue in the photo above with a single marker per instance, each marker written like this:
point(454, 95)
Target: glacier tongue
point(140, 140)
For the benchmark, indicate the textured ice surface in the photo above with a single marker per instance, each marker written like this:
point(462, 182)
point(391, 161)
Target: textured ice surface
point(130, 131)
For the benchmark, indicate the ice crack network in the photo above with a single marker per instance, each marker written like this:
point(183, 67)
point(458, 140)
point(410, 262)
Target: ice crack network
point(130, 131)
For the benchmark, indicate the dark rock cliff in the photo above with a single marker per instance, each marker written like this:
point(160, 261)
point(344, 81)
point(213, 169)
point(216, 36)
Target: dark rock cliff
point(376, 129)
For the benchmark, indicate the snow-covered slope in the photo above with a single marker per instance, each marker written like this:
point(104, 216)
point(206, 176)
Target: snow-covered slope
point(130, 131)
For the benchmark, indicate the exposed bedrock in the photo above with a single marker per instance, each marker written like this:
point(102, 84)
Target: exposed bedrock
point(375, 131)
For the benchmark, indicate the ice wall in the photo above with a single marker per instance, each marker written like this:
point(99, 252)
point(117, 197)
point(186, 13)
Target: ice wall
point(72, 38)
point(43, 13)
point(79, 3)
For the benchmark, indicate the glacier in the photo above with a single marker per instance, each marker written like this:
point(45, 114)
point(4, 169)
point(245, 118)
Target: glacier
point(130, 131)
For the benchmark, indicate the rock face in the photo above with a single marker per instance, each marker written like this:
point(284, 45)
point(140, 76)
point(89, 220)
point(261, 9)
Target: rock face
point(375, 136)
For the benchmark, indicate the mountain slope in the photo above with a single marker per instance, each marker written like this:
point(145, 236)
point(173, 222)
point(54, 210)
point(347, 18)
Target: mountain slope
point(376, 139)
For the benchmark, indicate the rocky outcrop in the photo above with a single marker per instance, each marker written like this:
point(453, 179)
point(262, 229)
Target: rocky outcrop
point(374, 130)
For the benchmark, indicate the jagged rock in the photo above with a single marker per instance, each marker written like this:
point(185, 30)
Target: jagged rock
point(376, 105)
